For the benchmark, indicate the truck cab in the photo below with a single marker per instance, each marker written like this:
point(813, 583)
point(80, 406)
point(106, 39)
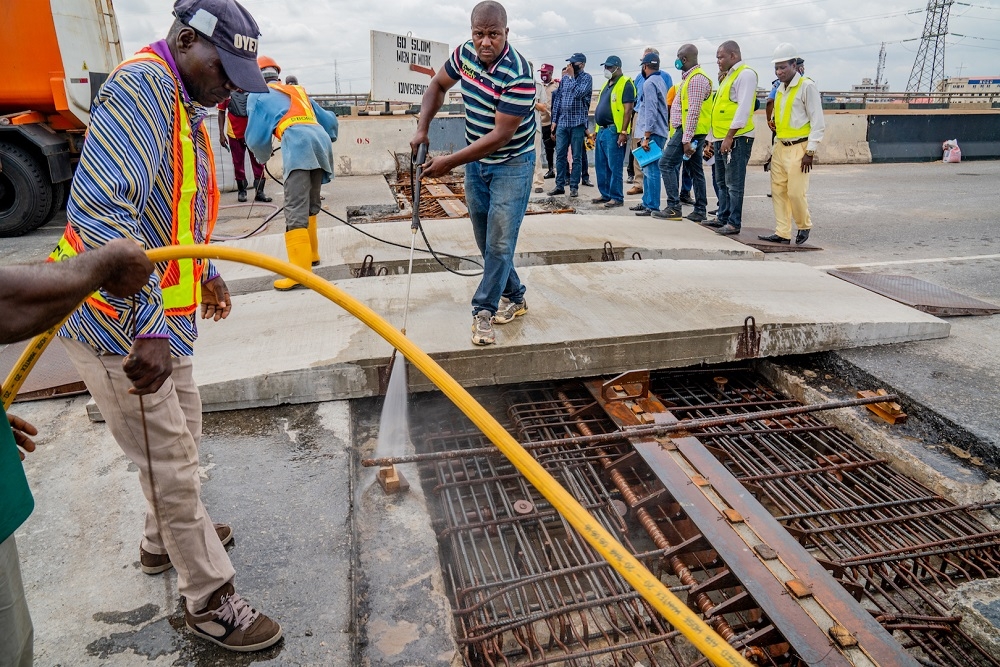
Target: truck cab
point(57, 55)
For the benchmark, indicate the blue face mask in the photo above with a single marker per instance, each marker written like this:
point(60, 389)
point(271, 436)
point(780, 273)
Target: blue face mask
point(678, 64)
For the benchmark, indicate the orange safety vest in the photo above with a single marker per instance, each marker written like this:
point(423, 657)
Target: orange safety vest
point(180, 281)
point(299, 109)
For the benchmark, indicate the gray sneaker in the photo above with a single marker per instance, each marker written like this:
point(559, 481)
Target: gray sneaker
point(482, 328)
point(508, 310)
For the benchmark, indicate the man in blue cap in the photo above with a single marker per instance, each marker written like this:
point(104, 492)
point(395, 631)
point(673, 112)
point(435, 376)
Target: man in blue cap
point(569, 118)
point(613, 118)
point(146, 174)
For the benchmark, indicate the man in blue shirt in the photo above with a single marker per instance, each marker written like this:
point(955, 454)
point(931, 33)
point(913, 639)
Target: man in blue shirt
point(654, 124)
point(569, 118)
point(499, 96)
point(33, 298)
point(306, 131)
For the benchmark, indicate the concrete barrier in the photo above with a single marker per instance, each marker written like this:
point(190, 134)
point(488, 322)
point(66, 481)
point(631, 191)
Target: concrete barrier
point(844, 141)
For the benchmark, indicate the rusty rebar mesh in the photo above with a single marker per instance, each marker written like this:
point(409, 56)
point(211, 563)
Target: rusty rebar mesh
point(897, 544)
point(526, 589)
point(430, 207)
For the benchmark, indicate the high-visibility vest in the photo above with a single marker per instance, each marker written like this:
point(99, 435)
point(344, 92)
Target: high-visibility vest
point(617, 106)
point(724, 108)
point(705, 117)
point(299, 108)
point(180, 280)
point(783, 102)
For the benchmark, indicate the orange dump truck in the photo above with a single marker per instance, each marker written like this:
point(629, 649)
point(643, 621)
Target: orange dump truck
point(54, 55)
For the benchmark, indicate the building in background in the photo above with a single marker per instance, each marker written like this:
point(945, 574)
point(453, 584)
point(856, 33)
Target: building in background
point(973, 89)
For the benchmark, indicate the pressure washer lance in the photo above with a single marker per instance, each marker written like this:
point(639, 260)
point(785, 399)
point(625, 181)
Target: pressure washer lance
point(416, 171)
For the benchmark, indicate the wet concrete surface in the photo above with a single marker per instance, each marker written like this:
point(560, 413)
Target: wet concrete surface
point(281, 478)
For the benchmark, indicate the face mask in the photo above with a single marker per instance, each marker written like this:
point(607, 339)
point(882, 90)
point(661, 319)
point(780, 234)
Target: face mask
point(679, 64)
point(608, 74)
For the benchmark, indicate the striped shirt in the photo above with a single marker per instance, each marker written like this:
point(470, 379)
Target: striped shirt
point(506, 86)
point(123, 188)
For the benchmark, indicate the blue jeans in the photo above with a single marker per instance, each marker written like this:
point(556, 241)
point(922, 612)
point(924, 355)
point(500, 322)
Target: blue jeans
point(566, 138)
point(670, 168)
point(730, 180)
point(497, 197)
point(608, 161)
point(686, 183)
point(651, 178)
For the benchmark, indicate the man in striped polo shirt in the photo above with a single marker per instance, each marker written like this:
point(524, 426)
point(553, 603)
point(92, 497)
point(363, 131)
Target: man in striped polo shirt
point(499, 94)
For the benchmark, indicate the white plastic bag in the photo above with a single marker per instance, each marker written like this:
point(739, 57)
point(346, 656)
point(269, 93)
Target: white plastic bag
point(952, 153)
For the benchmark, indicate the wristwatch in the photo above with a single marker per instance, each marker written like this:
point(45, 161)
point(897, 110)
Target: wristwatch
point(810, 153)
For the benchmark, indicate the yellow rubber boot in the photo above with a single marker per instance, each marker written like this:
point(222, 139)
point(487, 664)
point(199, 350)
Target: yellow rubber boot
point(297, 245)
point(314, 240)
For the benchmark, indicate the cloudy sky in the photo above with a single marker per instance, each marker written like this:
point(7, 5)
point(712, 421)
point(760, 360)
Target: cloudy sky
point(839, 39)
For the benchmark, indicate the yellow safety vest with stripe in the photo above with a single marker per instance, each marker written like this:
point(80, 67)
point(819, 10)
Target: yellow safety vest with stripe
point(180, 281)
point(617, 106)
point(724, 109)
point(299, 108)
point(783, 102)
point(705, 116)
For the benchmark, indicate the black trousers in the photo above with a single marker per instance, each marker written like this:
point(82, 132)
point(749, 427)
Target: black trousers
point(549, 142)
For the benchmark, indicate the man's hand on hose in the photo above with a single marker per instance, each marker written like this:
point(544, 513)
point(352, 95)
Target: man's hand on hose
point(148, 365)
point(128, 268)
point(420, 137)
point(435, 167)
point(22, 430)
point(215, 302)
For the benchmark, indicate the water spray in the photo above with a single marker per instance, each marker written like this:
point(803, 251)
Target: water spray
point(394, 425)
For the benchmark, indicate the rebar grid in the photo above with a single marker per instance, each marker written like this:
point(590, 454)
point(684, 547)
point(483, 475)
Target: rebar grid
point(903, 546)
point(526, 589)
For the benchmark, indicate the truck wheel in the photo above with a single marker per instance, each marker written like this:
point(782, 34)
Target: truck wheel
point(59, 192)
point(26, 193)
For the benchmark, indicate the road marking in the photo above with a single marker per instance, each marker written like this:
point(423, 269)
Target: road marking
point(933, 260)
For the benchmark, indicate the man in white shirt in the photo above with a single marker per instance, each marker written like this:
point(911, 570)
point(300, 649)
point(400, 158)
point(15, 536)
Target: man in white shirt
point(798, 124)
point(731, 138)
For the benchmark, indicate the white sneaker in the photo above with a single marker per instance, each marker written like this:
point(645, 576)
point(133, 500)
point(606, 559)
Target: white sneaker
point(482, 328)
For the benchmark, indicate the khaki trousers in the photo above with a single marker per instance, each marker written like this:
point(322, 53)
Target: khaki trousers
point(182, 528)
point(788, 189)
point(16, 632)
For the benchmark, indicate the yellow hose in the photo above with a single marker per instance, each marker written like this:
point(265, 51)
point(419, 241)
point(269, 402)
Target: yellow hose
point(652, 589)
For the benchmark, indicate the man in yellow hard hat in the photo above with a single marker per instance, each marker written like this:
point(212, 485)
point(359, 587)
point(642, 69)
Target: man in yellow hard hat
point(306, 131)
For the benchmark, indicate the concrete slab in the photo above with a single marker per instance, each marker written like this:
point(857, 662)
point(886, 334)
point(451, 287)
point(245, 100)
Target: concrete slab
point(544, 239)
point(585, 319)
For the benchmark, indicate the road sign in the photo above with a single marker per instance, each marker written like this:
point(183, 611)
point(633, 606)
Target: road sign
point(402, 66)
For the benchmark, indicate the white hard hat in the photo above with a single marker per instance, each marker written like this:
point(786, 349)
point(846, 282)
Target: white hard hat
point(784, 53)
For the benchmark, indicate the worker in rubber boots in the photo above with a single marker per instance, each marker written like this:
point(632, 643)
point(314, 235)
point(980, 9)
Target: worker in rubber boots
point(34, 298)
point(305, 131)
point(147, 174)
point(499, 160)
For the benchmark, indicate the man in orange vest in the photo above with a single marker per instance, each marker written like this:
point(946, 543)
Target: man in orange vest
point(305, 131)
point(147, 174)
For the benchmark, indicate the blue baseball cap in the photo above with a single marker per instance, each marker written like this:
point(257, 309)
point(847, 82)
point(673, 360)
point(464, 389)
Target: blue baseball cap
point(651, 59)
point(577, 58)
point(233, 31)
point(613, 61)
